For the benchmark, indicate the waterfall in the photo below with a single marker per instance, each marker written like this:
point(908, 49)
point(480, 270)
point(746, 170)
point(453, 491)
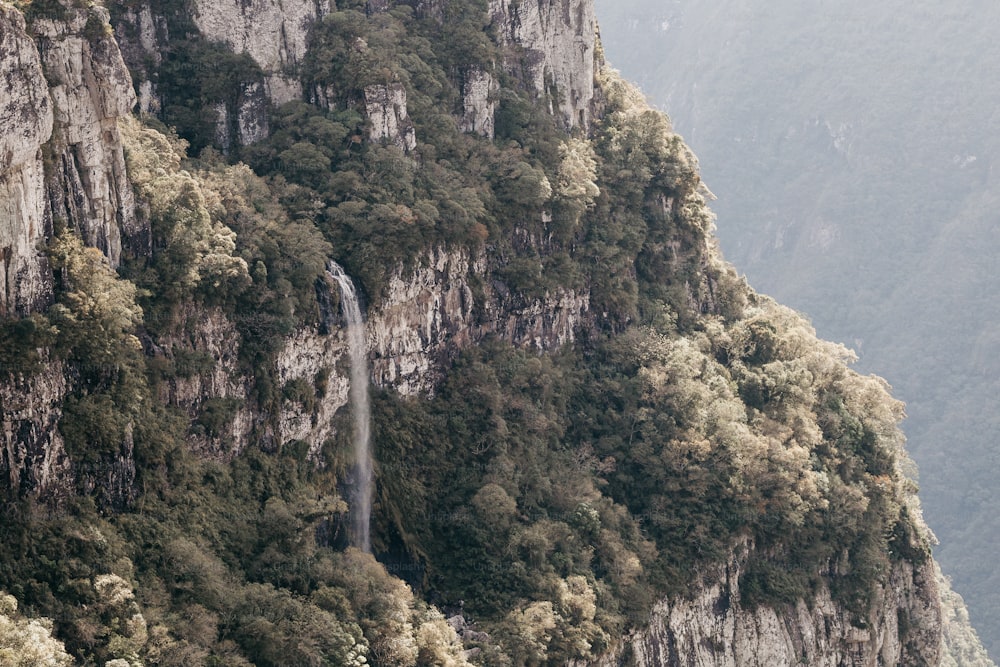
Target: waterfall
point(361, 498)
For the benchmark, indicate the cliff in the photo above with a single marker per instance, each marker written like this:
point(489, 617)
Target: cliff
point(67, 86)
point(273, 33)
point(63, 167)
point(715, 628)
point(582, 417)
point(552, 45)
point(27, 110)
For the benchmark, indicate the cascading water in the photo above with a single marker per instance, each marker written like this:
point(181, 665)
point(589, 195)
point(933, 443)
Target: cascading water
point(361, 499)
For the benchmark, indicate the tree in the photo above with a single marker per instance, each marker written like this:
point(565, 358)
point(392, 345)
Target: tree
point(28, 642)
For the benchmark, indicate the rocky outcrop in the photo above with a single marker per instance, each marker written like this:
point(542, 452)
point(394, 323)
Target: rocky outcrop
point(479, 102)
point(25, 111)
point(429, 315)
point(251, 114)
point(389, 121)
point(26, 116)
point(320, 363)
point(90, 88)
point(273, 32)
point(250, 122)
point(715, 629)
point(142, 36)
point(61, 163)
point(433, 311)
point(68, 86)
point(217, 394)
point(551, 45)
point(33, 459)
point(207, 382)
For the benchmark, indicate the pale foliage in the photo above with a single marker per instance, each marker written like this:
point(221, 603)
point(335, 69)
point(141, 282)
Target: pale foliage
point(113, 589)
point(183, 207)
point(962, 647)
point(566, 622)
point(129, 633)
point(577, 172)
point(438, 642)
point(28, 642)
point(532, 626)
point(643, 142)
point(762, 411)
point(399, 628)
point(619, 92)
point(98, 310)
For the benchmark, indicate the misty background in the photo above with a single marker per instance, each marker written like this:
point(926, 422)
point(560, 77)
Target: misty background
point(852, 148)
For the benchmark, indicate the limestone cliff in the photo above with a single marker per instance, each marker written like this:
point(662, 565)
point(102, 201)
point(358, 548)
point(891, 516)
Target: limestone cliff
point(552, 45)
point(67, 85)
point(61, 164)
point(433, 311)
point(478, 101)
point(715, 628)
point(429, 314)
point(386, 108)
point(25, 220)
point(90, 89)
point(33, 460)
point(272, 32)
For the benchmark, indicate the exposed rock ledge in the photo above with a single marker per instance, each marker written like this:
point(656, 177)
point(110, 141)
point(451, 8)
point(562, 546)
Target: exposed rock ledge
point(429, 315)
point(33, 460)
point(715, 630)
point(272, 32)
point(90, 88)
point(553, 44)
point(432, 312)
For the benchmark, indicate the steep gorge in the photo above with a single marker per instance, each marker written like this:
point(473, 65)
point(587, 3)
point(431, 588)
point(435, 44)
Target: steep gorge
point(541, 247)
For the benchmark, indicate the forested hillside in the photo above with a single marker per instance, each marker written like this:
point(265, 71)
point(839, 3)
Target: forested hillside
point(593, 442)
point(852, 149)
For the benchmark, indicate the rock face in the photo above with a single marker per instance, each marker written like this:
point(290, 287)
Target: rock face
point(90, 87)
point(273, 32)
point(251, 114)
point(479, 103)
point(25, 110)
point(67, 85)
point(26, 116)
point(141, 36)
point(433, 311)
point(219, 401)
point(250, 122)
point(714, 629)
point(551, 44)
point(385, 106)
point(33, 460)
point(320, 363)
point(209, 334)
point(429, 315)
point(66, 95)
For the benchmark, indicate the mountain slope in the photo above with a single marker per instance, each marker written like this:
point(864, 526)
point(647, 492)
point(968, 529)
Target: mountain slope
point(871, 133)
point(592, 440)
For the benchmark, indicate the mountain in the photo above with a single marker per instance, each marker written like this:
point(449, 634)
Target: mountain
point(852, 152)
point(592, 442)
